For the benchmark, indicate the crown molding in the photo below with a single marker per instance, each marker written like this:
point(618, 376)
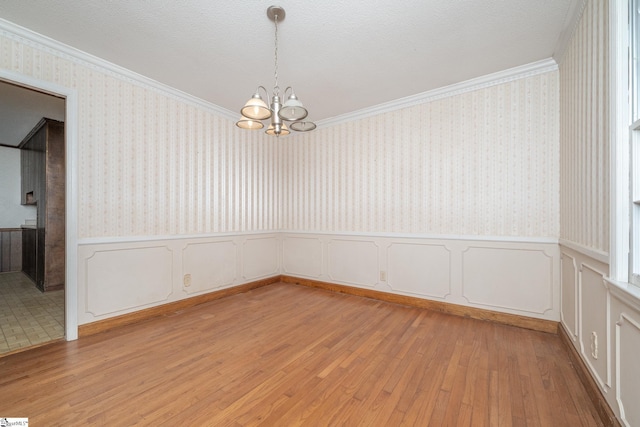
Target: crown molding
point(38, 41)
point(511, 74)
point(571, 21)
point(46, 44)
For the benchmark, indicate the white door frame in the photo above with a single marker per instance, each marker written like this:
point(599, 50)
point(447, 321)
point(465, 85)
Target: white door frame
point(71, 190)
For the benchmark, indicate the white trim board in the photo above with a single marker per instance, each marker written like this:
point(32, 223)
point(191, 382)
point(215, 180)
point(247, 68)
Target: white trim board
point(619, 119)
point(38, 41)
point(574, 14)
point(596, 254)
point(480, 238)
point(137, 239)
point(54, 47)
point(511, 74)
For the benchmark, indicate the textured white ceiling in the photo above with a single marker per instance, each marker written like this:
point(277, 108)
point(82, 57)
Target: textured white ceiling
point(340, 56)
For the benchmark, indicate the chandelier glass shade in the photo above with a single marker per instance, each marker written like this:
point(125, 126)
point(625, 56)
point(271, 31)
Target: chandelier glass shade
point(257, 109)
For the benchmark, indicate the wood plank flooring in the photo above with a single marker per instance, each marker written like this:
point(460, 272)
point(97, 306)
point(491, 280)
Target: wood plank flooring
point(289, 355)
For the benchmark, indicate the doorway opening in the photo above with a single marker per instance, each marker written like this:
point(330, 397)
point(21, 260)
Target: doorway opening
point(42, 309)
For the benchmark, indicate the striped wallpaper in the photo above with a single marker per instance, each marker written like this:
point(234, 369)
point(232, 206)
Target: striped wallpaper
point(151, 164)
point(584, 132)
point(484, 162)
point(479, 163)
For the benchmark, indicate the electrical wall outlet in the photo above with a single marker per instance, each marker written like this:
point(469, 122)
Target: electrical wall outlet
point(187, 280)
point(594, 345)
point(383, 276)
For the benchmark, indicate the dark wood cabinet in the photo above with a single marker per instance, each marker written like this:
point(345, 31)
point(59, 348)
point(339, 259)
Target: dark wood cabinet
point(43, 184)
point(29, 252)
point(10, 249)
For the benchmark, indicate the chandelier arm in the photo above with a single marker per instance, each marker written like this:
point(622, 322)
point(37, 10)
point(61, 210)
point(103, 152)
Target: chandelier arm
point(266, 93)
point(288, 108)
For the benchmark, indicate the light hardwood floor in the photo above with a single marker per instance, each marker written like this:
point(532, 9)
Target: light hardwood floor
point(290, 355)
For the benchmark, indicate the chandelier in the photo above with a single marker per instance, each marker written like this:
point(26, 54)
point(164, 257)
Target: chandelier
point(256, 109)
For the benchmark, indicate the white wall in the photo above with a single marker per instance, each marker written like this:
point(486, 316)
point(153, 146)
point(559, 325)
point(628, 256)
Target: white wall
point(481, 163)
point(155, 166)
point(602, 320)
point(12, 213)
point(164, 182)
point(129, 275)
point(516, 277)
point(584, 132)
point(152, 161)
point(454, 200)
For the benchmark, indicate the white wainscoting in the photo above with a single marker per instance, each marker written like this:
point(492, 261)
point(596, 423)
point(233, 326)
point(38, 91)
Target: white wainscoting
point(627, 351)
point(353, 261)
point(123, 276)
point(419, 269)
point(210, 265)
point(593, 316)
point(261, 257)
point(569, 294)
point(592, 304)
point(126, 273)
point(303, 256)
point(509, 276)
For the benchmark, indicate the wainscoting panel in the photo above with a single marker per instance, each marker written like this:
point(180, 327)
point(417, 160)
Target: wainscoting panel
point(627, 351)
point(594, 320)
point(614, 316)
point(518, 277)
point(302, 256)
point(122, 279)
point(208, 266)
point(260, 255)
point(419, 269)
point(569, 313)
point(353, 261)
point(121, 276)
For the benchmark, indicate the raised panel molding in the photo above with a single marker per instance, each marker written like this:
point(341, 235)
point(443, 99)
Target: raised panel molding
point(506, 278)
point(211, 265)
point(120, 279)
point(302, 256)
point(260, 257)
point(595, 301)
point(126, 276)
point(429, 268)
point(419, 269)
point(353, 261)
point(433, 268)
point(628, 369)
point(569, 294)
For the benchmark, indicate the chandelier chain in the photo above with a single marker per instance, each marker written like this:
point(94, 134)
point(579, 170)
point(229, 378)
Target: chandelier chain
point(276, 88)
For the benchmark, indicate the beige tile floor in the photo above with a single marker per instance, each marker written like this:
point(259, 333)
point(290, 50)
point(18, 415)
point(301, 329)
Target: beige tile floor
point(27, 316)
